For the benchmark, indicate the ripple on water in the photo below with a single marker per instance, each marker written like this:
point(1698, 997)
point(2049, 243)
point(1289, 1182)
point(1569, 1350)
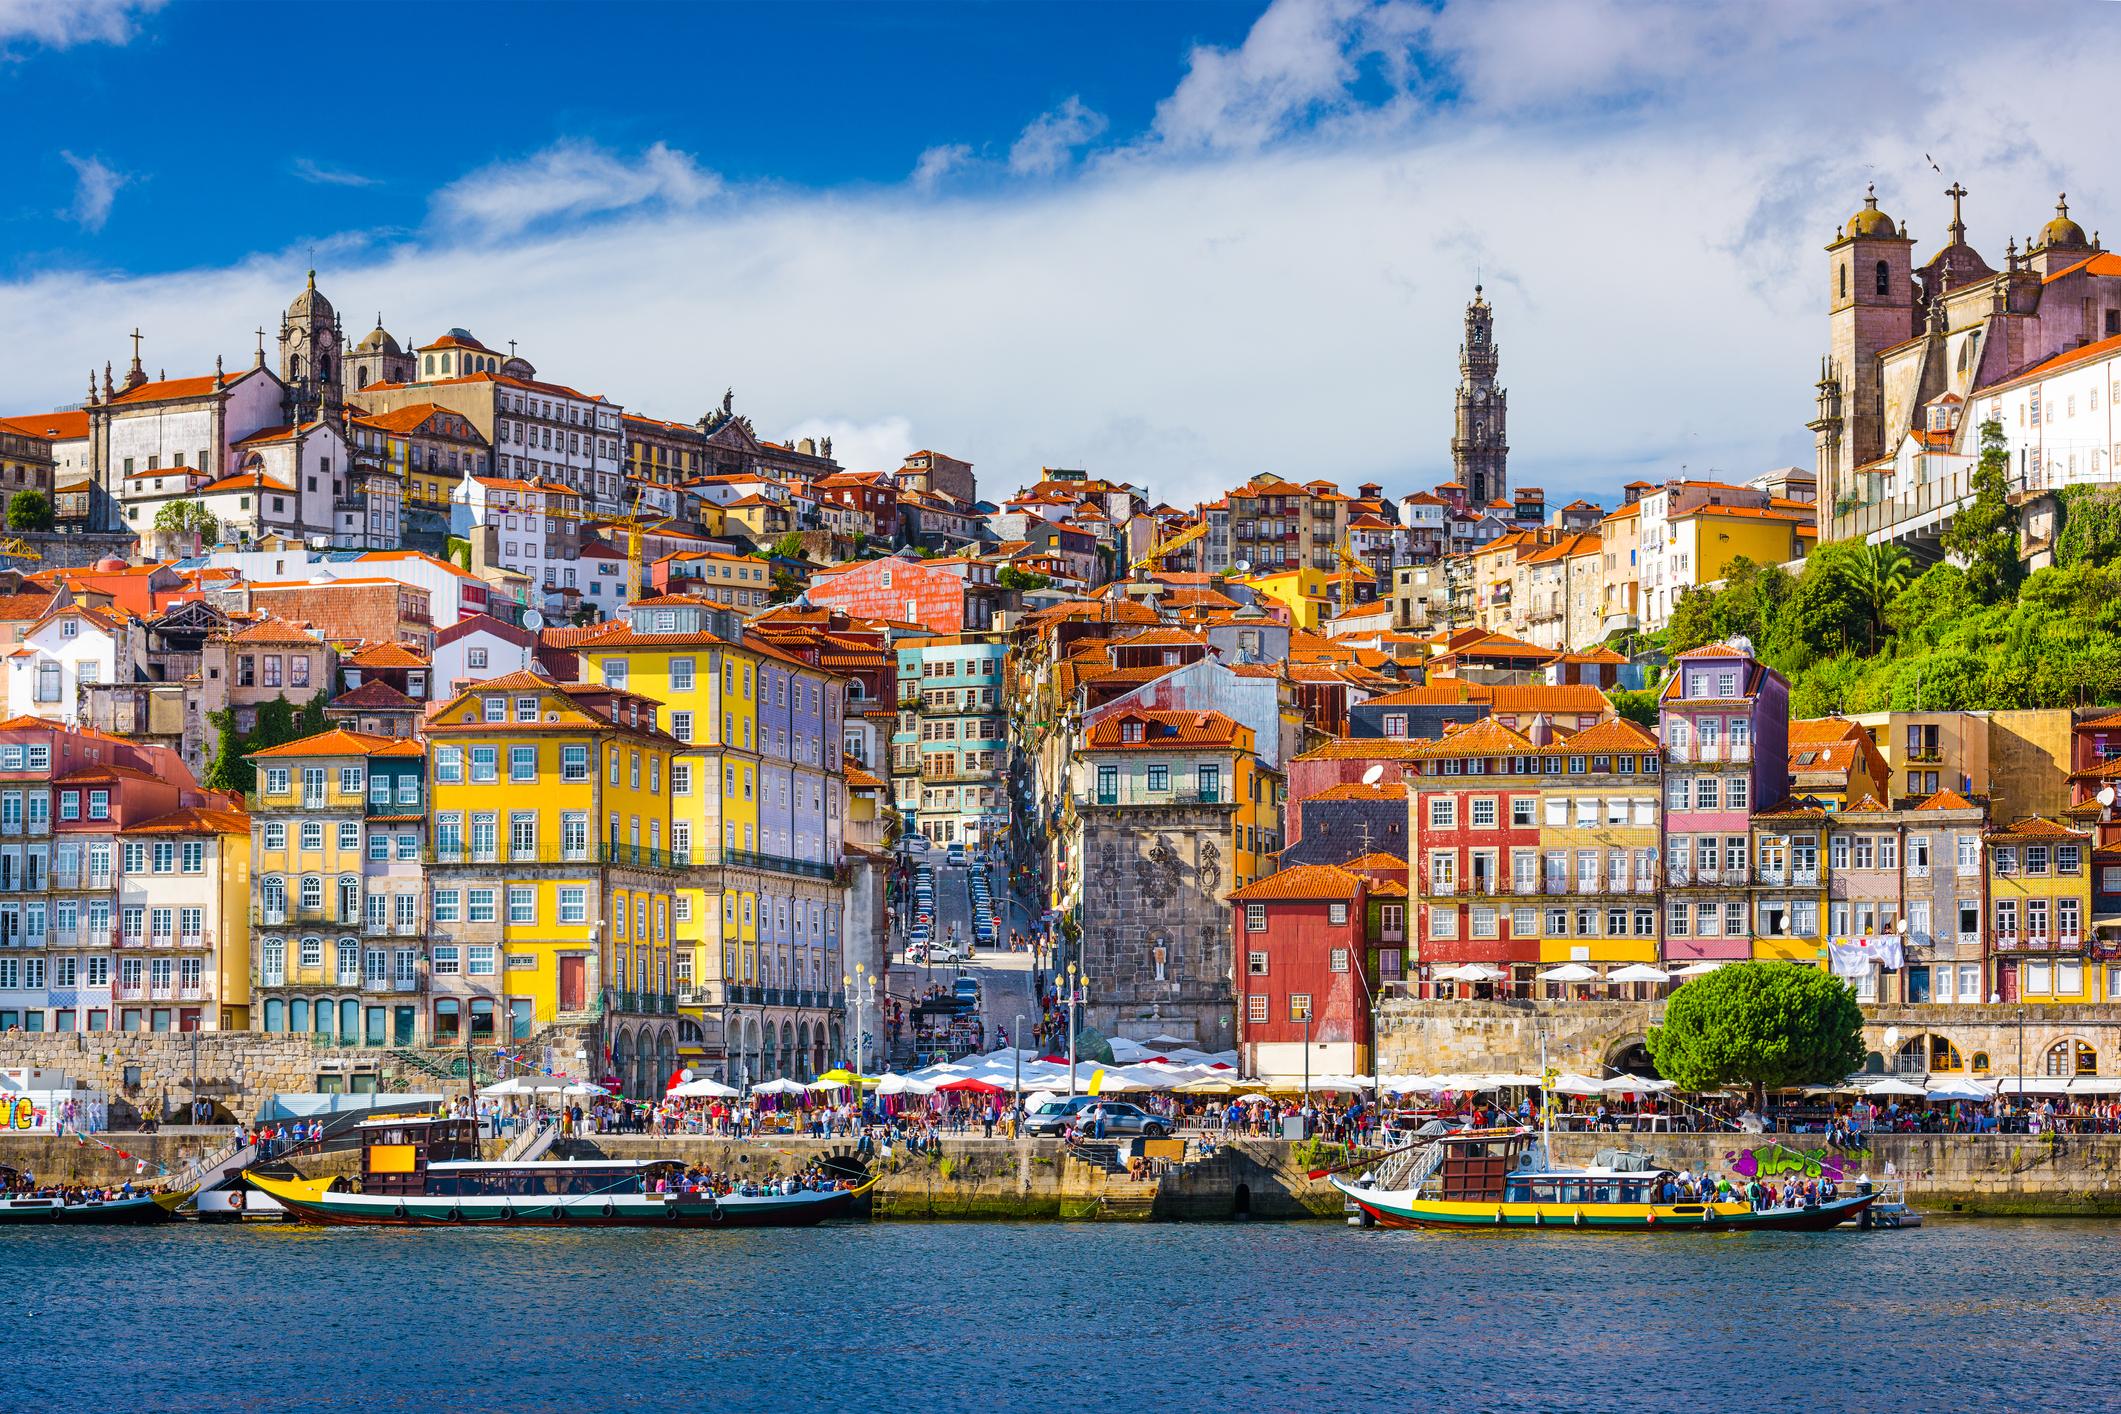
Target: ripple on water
point(1036, 1316)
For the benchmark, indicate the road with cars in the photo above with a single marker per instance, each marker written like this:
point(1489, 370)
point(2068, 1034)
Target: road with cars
point(959, 904)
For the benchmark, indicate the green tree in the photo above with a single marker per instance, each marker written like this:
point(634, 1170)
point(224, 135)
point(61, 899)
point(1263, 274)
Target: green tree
point(310, 720)
point(276, 725)
point(180, 520)
point(1011, 577)
point(1765, 1025)
point(1983, 536)
point(1879, 573)
point(29, 510)
point(227, 770)
point(2091, 525)
point(789, 546)
point(1637, 707)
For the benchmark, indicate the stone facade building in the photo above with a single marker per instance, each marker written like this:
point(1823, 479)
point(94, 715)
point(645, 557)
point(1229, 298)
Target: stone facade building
point(1155, 931)
point(1480, 441)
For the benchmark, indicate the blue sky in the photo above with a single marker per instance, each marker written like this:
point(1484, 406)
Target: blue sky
point(1176, 243)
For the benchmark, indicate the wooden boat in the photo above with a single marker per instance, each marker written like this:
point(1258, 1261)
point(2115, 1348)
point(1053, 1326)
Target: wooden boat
point(1495, 1179)
point(415, 1173)
point(107, 1212)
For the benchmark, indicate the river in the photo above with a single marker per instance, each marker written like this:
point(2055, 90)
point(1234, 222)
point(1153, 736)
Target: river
point(1004, 1317)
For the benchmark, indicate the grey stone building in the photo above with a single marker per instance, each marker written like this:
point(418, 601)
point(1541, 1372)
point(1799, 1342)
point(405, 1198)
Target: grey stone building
point(1155, 931)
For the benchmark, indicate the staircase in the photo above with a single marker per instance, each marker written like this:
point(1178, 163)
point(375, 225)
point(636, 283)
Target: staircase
point(532, 1143)
point(216, 1169)
point(1409, 1169)
point(1101, 1154)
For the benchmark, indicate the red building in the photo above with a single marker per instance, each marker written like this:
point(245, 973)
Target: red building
point(871, 495)
point(1345, 761)
point(903, 589)
point(1466, 824)
point(1314, 946)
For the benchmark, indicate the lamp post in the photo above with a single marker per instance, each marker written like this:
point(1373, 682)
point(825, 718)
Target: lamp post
point(1077, 993)
point(1017, 1113)
point(1307, 1050)
point(2021, 1060)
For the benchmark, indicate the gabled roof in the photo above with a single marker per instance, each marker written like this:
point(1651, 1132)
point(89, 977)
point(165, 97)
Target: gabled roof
point(1165, 730)
point(386, 655)
point(1305, 882)
point(376, 695)
point(1486, 737)
point(1356, 790)
point(1615, 736)
point(341, 742)
point(2038, 829)
point(194, 820)
point(272, 630)
point(1947, 800)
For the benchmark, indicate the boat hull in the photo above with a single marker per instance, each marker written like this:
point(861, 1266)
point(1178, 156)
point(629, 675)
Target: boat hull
point(119, 1212)
point(319, 1200)
point(1402, 1209)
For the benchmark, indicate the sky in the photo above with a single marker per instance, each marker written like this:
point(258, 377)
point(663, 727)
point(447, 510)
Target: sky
point(1176, 244)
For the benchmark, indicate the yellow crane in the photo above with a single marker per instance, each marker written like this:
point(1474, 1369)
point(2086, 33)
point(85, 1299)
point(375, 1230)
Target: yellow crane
point(17, 549)
point(1152, 559)
point(1350, 567)
point(632, 522)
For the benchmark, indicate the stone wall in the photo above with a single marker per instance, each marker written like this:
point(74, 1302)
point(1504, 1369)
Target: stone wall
point(1435, 1037)
point(1153, 877)
point(67, 550)
point(149, 1073)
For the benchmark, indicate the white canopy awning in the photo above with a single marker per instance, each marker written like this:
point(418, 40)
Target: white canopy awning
point(1696, 969)
point(1639, 972)
point(704, 1089)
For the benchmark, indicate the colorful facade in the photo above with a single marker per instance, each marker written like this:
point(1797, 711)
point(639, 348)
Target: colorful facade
point(1725, 720)
point(2040, 908)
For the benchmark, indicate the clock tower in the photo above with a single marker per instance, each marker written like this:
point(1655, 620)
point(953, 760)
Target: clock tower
point(1480, 444)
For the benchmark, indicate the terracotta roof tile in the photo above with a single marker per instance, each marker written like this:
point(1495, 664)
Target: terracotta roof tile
point(1302, 883)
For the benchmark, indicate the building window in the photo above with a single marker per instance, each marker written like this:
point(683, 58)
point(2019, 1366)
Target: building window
point(1255, 918)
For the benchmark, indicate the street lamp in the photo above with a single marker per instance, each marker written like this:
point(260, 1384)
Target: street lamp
point(1016, 1122)
point(1307, 1051)
point(1077, 993)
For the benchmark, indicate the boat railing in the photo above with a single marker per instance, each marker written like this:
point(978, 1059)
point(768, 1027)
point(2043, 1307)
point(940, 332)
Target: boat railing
point(1409, 1169)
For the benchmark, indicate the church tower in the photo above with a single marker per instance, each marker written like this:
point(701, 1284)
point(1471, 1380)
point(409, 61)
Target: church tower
point(310, 345)
point(1480, 444)
point(1870, 307)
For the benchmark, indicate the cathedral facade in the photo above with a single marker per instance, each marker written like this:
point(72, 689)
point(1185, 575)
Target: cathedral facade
point(1916, 353)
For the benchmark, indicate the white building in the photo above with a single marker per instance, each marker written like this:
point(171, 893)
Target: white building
point(68, 648)
point(530, 527)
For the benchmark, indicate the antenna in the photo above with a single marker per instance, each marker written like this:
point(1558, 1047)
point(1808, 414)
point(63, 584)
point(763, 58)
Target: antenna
point(1375, 774)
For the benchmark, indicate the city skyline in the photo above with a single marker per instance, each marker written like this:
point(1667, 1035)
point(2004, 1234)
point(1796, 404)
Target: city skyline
point(1101, 246)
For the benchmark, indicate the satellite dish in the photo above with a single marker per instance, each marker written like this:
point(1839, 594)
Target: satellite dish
point(533, 620)
point(1244, 567)
point(1375, 774)
point(1892, 1037)
point(2106, 795)
point(1901, 926)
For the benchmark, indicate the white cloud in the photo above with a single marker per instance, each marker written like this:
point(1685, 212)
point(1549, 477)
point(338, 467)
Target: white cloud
point(1648, 226)
point(59, 24)
point(937, 163)
point(1049, 141)
point(95, 191)
point(878, 445)
point(571, 179)
point(315, 173)
point(1296, 62)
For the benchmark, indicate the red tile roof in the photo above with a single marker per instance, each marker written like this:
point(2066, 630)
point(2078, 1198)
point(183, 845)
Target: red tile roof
point(1303, 883)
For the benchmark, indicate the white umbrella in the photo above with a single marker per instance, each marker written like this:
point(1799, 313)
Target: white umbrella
point(1636, 1085)
point(1471, 972)
point(704, 1089)
point(894, 1084)
point(1696, 969)
point(1960, 1090)
point(2094, 1085)
point(1895, 1087)
point(580, 1088)
point(1570, 972)
point(513, 1085)
point(1639, 972)
point(779, 1087)
point(1577, 1085)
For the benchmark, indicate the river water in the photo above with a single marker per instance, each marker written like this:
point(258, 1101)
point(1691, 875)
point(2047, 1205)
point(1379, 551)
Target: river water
point(989, 1318)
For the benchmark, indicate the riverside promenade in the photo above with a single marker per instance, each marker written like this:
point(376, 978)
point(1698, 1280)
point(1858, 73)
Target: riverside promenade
point(983, 1179)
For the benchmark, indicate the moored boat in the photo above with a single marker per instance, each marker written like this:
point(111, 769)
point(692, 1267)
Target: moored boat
point(426, 1173)
point(74, 1208)
point(1500, 1179)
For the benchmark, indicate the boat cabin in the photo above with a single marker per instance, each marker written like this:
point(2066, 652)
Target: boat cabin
point(397, 1152)
point(1582, 1188)
point(572, 1178)
point(1476, 1163)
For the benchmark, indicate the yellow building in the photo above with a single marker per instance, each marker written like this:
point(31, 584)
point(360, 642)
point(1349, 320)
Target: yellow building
point(552, 860)
point(1706, 539)
point(1311, 596)
point(2040, 904)
point(308, 819)
point(1790, 905)
point(1588, 879)
point(193, 892)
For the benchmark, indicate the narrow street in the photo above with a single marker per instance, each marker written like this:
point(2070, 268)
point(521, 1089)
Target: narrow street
point(1004, 977)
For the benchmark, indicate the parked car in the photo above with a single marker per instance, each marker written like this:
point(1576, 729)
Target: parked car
point(955, 854)
point(1055, 1115)
point(1121, 1119)
point(943, 952)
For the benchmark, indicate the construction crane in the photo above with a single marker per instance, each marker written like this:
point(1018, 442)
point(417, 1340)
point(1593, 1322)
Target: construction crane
point(1153, 558)
point(17, 549)
point(632, 522)
point(1350, 567)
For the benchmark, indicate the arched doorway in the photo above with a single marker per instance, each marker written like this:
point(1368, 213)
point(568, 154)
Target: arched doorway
point(622, 1059)
point(770, 1058)
point(791, 1058)
point(666, 1060)
point(817, 1051)
point(1632, 1058)
point(802, 1053)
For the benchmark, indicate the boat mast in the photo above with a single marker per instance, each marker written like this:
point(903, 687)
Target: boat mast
point(1546, 1101)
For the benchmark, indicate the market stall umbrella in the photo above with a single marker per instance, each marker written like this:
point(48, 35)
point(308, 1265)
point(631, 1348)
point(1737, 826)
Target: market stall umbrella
point(1572, 1084)
point(1696, 969)
point(1639, 972)
point(1637, 1085)
point(1895, 1087)
point(1960, 1090)
point(780, 1087)
point(1471, 972)
point(1570, 972)
point(971, 1085)
point(704, 1089)
point(894, 1084)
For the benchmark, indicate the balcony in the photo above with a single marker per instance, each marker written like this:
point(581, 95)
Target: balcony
point(1773, 877)
point(2006, 942)
point(406, 985)
point(265, 917)
point(1130, 794)
point(1804, 878)
point(1925, 755)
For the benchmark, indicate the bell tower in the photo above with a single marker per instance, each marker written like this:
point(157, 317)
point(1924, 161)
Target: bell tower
point(311, 344)
point(1870, 307)
point(1480, 444)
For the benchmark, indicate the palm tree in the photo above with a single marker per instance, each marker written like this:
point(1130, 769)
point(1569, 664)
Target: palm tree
point(1880, 572)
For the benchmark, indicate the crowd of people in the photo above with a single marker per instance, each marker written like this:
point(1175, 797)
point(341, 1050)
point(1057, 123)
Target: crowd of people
point(24, 1185)
point(813, 1177)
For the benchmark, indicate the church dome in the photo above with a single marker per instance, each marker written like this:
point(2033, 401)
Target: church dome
point(2062, 230)
point(111, 564)
point(309, 305)
point(378, 341)
point(1870, 221)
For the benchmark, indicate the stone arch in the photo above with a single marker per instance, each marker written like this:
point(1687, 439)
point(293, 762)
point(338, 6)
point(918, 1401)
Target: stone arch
point(1913, 1057)
point(2070, 1056)
point(769, 1056)
point(1630, 1055)
point(790, 1060)
point(1944, 1056)
point(802, 1052)
point(622, 1058)
point(818, 1063)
